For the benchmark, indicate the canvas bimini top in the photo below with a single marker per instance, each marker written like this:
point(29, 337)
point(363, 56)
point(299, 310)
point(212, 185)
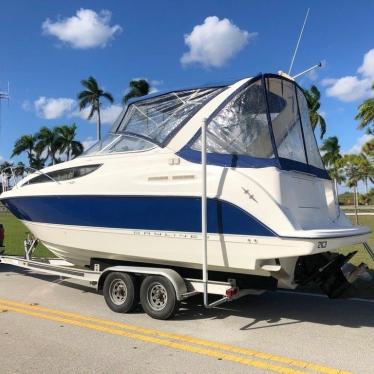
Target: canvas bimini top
point(265, 122)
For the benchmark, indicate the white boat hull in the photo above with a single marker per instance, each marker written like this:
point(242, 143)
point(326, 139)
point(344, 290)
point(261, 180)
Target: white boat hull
point(226, 253)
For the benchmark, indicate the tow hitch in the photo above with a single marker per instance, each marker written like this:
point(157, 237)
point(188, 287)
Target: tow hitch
point(330, 271)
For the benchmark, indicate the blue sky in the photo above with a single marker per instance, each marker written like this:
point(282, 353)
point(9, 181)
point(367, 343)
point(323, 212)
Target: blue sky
point(46, 48)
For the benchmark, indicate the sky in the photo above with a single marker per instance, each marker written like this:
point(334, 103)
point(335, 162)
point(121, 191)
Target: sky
point(47, 48)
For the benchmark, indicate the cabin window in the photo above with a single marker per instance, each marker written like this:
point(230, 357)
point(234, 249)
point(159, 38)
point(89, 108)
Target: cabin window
point(63, 174)
point(285, 119)
point(156, 118)
point(241, 127)
point(314, 157)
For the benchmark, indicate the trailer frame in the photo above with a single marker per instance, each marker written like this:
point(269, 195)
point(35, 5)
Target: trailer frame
point(183, 287)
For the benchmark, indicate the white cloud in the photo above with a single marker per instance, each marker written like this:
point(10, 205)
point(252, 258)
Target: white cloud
point(110, 113)
point(107, 114)
point(154, 85)
point(214, 42)
point(156, 82)
point(2, 159)
point(357, 147)
point(88, 142)
point(26, 105)
point(86, 29)
point(52, 108)
point(353, 87)
point(322, 113)
point(312, 75)
point(367, 67)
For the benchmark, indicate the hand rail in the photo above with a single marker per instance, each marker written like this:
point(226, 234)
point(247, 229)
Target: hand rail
point(5, 177)
point(41, 172)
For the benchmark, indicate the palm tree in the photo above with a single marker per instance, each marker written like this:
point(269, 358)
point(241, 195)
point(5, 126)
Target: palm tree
point(49, 141)
point(5, 175)
point(331, 157)
point(368, 149)
point(137, 88)
point(331, 151)
point(365, 113)
point(352, 166)
point(37, 162)
point(68, 144)
point(26, 143)
point(19, 170)
point(313, 97)
point(91, 96)
point(366, 171)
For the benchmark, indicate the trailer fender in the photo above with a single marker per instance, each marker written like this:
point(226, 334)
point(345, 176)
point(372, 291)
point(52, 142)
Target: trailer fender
point(175, 279)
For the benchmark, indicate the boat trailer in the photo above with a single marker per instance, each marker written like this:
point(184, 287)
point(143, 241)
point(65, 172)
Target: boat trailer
point(160, 292)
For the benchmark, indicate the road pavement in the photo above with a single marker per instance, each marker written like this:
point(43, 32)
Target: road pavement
point(51, 325)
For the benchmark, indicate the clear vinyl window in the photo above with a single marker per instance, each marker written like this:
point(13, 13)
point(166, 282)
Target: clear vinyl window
point(312, 151)
point(128, 143)
point(157, 117)
point(285, 119)
point(241, 127)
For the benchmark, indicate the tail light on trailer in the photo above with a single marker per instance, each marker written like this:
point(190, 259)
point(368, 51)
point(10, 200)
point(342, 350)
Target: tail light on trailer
point(232, 292)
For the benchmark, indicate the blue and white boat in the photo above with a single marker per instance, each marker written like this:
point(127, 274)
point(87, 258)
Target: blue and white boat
point(135, 195)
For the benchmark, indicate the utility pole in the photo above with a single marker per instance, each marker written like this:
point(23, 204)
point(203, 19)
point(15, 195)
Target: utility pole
point(4, 95)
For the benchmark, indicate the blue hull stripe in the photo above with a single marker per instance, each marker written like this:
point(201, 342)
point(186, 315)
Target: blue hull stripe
point(159, 213)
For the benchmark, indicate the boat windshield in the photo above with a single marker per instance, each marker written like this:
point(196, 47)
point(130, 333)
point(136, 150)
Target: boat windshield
point(242, 127)
point(159, 117)
point(115, 143)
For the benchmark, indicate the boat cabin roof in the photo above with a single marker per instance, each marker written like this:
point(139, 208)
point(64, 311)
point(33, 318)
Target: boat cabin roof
point(256, 122)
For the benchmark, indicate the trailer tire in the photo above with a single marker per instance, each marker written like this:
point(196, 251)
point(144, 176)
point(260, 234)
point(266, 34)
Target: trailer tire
point(121, 292)
point(158, 297)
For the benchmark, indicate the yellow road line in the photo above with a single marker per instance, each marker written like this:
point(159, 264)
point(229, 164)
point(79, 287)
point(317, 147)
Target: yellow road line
point(154, 340)
point(184, 338)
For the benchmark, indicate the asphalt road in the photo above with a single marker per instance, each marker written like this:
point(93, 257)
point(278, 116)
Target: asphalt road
point(48, 325)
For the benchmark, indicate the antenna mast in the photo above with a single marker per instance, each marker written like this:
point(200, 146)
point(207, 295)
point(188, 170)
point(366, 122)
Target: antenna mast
point(298, 42)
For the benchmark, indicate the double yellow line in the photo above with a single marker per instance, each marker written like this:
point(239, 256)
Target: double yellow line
point(185, 343)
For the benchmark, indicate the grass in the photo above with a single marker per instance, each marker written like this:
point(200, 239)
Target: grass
point(15, 233)
point(362, 255)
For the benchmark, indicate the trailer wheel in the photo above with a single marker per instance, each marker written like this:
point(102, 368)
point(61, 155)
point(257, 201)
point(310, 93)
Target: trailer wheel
point(121, 292)
point(158, 297)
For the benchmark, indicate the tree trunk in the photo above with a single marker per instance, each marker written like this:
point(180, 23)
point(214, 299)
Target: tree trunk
point(52, 156)
point(98, 135)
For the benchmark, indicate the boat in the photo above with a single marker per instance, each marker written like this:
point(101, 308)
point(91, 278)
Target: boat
point(135, 196)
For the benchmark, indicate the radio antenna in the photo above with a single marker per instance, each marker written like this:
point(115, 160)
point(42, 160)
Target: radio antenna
point(298, 42)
